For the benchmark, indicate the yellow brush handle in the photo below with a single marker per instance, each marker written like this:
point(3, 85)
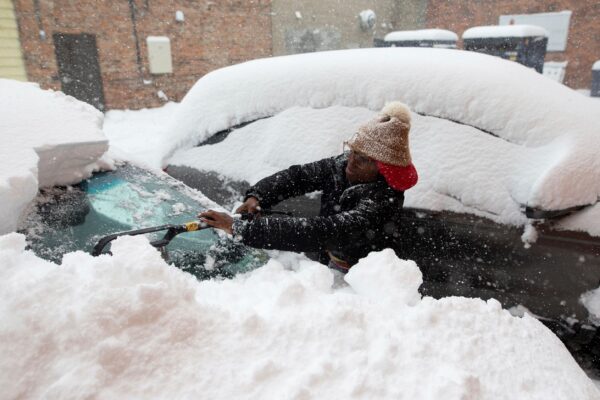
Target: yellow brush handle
point(192, 226)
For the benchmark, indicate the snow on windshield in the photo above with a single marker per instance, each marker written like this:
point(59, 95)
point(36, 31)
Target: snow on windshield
point(131, 326)
point(551, 133)
point(48, 139)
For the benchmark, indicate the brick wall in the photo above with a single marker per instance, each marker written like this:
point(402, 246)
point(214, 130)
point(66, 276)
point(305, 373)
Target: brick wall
point(583, 43)
point(214, 34)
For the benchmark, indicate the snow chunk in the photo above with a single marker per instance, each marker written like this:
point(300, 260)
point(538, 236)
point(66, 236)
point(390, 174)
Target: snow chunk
point(421, 34)
point(131, 326)
point(383, 276)
point(591, 301)
point(530, 235)
point(585, 220)
point(48, 139)
point(596, 66)
point(496, 31)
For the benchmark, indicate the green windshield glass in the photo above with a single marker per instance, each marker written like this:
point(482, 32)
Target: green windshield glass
point(75, 218)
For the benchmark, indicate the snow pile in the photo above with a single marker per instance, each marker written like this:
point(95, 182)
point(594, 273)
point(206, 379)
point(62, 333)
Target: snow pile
point(48, 139)
point(524, 112)
point(585, 220)
point(591, 301)
point(137, 136)
point(120, 327)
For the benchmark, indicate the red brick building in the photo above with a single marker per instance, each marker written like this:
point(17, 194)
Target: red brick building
point(583, 41)
point(105, 41)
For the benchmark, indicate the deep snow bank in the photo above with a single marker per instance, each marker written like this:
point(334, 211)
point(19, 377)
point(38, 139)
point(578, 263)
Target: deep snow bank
point(514, 103)
point(131, 326)
point(48, 139)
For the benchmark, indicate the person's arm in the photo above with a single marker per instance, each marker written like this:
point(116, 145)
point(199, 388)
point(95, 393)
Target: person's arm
point(309, 234)
point(294, 181)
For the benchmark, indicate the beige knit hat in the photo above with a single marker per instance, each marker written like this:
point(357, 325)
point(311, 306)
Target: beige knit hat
point(385, 137)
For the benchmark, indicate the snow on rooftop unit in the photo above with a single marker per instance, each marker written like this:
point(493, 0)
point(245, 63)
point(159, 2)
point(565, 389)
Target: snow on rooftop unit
point(48, 138)
point(421, 34)
point(497, 31)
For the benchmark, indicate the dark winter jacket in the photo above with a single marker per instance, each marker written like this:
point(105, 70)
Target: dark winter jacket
point(354, 219)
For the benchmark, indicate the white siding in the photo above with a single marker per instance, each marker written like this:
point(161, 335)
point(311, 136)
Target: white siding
point(11, 58)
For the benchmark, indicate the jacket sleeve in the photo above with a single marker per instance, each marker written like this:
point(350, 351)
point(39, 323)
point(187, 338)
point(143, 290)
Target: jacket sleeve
point(294, 181)
point(310, 234)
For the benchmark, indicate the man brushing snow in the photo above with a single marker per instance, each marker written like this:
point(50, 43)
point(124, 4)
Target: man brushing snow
point(363, 193)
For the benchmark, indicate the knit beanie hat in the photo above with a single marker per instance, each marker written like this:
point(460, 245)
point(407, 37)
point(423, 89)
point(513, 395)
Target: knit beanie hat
point(385, 137)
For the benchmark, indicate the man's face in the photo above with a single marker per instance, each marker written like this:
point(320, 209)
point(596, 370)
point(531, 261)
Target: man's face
point(361, 168)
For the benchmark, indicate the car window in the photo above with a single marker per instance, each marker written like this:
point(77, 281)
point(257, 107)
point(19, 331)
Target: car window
point(75, 218)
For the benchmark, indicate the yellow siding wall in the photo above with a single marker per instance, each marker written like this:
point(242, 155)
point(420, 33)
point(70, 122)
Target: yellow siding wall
point(11, 59)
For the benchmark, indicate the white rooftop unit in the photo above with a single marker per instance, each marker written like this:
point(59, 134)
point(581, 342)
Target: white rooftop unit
point(422, 34)
point(498, 31)
point(420, 38)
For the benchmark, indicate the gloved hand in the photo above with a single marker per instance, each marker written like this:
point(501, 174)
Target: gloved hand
point(250, 206)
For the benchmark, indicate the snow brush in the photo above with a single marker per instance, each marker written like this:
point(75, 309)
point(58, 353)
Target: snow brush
point(172, 231)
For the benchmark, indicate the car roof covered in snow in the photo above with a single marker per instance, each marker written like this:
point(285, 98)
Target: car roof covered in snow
point(491, 120)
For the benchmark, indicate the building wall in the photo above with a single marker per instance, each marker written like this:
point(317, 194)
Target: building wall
point(11, 59)
point(214, 34)
point(334, 24)
point(583, 43)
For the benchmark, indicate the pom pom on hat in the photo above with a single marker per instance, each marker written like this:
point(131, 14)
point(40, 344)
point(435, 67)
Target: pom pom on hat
point(398, 110)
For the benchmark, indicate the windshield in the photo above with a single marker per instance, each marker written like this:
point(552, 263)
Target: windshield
point(75, 218)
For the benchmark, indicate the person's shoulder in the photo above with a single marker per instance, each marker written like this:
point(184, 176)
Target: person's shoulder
point(340, 159)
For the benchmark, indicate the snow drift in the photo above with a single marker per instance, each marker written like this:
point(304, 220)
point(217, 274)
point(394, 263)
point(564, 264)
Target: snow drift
point(131, 326)
point(48, 139)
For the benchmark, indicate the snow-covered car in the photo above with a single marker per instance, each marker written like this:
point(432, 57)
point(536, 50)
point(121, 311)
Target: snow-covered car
point(509, 164)
point(51, 144)
point(66, 219)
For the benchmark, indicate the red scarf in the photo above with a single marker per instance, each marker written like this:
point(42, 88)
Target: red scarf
point(398, 178)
